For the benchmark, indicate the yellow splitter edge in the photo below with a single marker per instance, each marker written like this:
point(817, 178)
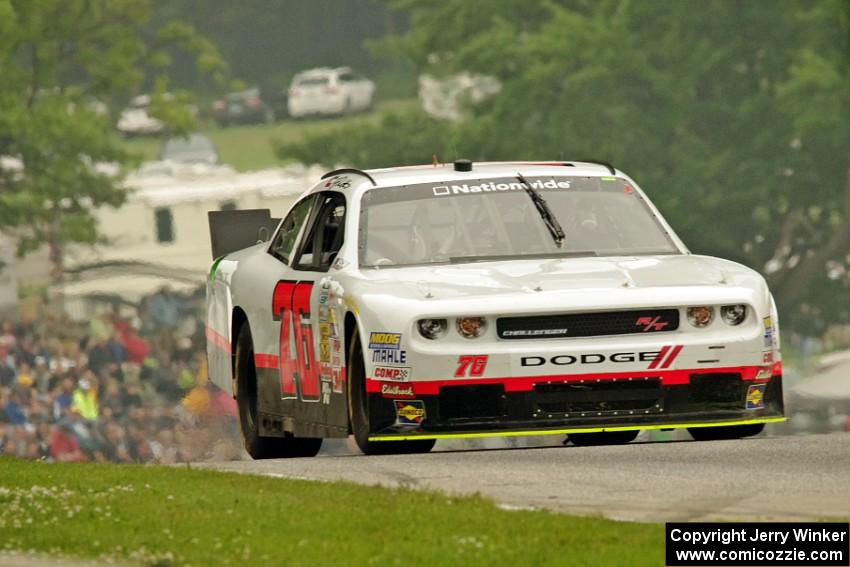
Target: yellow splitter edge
point(529, 432)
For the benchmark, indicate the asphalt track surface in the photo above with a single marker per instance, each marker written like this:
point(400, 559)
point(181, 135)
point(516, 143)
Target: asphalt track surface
point(758, 479)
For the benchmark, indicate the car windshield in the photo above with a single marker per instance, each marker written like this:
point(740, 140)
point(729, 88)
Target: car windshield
point(496, 219)
point(311, 81)
point(195, 148)
point(242, 95)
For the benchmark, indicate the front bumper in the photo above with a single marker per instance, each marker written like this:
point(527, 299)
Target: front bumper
point(495, 408)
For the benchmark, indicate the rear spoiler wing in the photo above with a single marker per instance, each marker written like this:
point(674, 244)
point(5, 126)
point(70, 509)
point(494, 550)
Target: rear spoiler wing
point(234, 230)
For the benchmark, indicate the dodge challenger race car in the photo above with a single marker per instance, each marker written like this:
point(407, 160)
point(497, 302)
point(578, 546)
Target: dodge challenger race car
point(412, 304)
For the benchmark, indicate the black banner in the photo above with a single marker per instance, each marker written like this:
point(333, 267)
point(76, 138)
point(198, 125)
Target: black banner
point(758, 544)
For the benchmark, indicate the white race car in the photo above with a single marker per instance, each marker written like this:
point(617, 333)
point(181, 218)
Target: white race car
point(329, 92)
point(412, 304)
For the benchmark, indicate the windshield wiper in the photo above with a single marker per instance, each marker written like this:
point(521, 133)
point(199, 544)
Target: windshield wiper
point(545, 212)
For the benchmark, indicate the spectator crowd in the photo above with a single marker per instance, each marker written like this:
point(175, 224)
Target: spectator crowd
point(121, 387)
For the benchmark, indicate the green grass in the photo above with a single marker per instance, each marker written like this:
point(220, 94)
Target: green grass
point(178, 515)
point(251, 147)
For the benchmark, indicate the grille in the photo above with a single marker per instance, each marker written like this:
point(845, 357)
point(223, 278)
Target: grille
point(717, 389)
point(588, 324)
point(599, 397)
point(472, 402)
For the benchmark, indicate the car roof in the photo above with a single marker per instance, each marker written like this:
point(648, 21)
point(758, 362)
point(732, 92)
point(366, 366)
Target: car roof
point(322, 72)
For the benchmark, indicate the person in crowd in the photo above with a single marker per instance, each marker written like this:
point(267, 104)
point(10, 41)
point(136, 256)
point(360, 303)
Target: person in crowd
point(64, 447)
point(84, 398)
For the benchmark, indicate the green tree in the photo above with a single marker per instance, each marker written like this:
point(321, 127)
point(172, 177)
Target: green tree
point(68, 66)
point(734, 116)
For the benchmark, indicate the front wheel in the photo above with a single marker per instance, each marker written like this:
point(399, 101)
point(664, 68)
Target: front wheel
point(602, 438)
point(258, 446)
point(358, 411)
point(728, 432)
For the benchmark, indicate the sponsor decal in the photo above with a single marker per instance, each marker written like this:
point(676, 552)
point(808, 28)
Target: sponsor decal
point(394, 373)
point(384, 340)
point(389, 356)
point(651, 323)
point(767, 357)
point(396, 391)
point(332, 315)
point(472, 365)
point(340, 182)
point(768, 331)
point(663, 358)
point(534, 333)
point(755, 396)
point(326, 390)
point(409, 412)
point(338, 379)
point(324, 330)
point(462, 189)
point(324, 351)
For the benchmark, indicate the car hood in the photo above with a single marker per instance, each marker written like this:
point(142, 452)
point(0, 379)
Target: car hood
point(561, 275)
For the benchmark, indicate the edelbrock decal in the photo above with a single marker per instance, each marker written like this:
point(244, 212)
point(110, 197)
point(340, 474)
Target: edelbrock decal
point(396, 391)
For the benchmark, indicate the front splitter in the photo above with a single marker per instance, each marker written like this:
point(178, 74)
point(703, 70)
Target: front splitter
point(413, 435)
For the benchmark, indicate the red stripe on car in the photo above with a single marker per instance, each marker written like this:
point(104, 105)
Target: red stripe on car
point(527, 383)
point(657, 360)
point(672, 356)
point(218, 340)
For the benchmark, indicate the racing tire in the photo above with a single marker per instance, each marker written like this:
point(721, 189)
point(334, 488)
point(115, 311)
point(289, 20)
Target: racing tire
point(260, 447)
point(602, 438)
point(358, 411)
point(729, 432)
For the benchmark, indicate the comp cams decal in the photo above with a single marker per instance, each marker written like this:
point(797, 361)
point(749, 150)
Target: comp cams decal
point(392, 373)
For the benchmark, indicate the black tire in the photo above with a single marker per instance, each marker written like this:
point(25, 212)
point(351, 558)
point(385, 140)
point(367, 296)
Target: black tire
point(602, 438)
point(729, 432)
point(260, 447)
point(358, 411)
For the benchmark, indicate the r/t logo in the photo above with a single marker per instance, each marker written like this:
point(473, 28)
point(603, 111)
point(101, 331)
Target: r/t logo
point(651, 323)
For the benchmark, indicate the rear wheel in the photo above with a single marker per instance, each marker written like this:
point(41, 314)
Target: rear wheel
point(729, 432)
point(602, 438)
point(358, 410)
point(260, 447)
